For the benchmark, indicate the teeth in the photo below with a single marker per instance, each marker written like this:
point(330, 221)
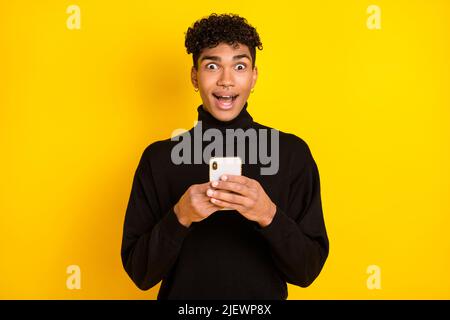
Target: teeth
point(225, 97)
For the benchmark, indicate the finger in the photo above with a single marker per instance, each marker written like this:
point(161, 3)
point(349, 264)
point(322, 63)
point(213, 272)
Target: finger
point(229, 197)
point(202, 198)
point(213, 206)
point(239, 179)
point(232, 186)
point(209, 205)
point(201, 188)
point(205, 202)
point(225, 204)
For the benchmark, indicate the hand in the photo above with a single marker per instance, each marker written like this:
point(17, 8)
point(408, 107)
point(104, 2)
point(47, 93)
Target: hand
point(250, 199)
point(194, 205)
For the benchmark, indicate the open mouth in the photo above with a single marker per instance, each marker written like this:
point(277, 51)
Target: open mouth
point(225, 102)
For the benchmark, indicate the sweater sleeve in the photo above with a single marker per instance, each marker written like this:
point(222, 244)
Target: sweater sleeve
point(297, 236)
point(151, 239)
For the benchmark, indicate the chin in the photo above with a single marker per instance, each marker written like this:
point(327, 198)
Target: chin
point(225, 115)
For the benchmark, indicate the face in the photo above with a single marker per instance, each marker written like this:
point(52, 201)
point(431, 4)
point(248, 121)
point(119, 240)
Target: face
point(224, 78)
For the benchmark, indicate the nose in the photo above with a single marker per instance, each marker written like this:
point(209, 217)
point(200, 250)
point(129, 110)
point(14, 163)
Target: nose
point(225, 79)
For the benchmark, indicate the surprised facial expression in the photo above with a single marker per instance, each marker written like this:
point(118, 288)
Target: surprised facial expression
point(225, 78)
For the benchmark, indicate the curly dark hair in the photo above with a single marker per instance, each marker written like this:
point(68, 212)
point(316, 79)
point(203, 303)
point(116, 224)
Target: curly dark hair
point(229, 28)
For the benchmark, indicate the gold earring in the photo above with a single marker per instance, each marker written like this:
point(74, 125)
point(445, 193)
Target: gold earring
point(253, 90)
point(196, 89)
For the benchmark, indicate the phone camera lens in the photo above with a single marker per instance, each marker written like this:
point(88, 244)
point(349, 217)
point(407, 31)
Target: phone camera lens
point(214, 165)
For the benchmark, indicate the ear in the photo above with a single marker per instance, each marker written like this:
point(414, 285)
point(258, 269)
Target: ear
point(254, 76)
point(194, 77)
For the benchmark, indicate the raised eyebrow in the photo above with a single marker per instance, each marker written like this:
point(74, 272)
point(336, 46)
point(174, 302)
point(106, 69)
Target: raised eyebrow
point(241, 56)
point(216, 58)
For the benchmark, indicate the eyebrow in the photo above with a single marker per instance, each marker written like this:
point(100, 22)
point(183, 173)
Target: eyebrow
point(217, 58)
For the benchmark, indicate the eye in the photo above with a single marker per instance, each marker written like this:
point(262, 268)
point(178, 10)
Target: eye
point(211, 64)
point(243, 66)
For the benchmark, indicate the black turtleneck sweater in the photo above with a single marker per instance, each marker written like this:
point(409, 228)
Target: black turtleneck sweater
point(224, 256)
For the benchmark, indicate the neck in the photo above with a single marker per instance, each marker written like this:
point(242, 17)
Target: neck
point(243, 120)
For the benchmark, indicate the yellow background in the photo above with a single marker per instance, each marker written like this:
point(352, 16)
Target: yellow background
point(78, 107)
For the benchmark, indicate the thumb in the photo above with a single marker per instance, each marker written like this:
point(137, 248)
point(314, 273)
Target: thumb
point(201, 188)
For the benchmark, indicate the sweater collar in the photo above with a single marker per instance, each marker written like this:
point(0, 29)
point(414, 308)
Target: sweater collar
point(243, 120)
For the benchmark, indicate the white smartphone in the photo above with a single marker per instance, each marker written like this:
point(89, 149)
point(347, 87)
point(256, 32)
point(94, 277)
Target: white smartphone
point(219, 166)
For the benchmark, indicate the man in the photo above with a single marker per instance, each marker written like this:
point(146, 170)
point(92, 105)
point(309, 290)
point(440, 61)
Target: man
point(174, 231)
